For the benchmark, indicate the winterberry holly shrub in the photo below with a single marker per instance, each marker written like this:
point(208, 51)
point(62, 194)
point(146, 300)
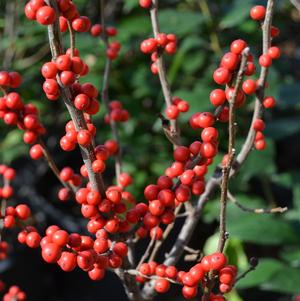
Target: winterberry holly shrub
point(117, 219)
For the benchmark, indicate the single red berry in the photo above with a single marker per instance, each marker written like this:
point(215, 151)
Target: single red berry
point(258, 12)
point(145, 3)
point(162, 285)
point(258, 125)
point(51, 252)
point(84, 137)
point(49, 70)
point(265, 60)
point(260, 144)
point(274, 52)
point(218, 261)
point(238, 46)
point(269, 102)
point(96, 30)
point(45, 15)
point(229, 61)
point(221, 76)
point(217, 97)
point(172, 112)
point(249, 86)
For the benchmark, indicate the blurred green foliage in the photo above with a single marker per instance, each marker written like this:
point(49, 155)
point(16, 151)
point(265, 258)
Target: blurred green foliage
point(269, 178)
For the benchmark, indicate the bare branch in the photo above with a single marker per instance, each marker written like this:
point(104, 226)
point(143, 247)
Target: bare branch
point(256, 210)
point(87, 153)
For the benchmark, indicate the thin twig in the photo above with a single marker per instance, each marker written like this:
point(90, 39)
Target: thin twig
point(231, 150)
point(256, 210)
point(105, 98)
point(174, 131)
point(72, 37)
point(52, 165)
point(215, 181)
point(77, 116)
point(147, 252)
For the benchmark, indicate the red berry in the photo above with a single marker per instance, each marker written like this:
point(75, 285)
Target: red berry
point(249, 86)
point(260, 144)
point(218, 261)
point(258, 12)
point(274, 52)
point(63, 62)
point(238, 46)
point(221, 76)
point(148, 46)
point(172, 112)
point(49, 70)
point(258, 125)
point(84, 137)
point(145, 3)
point(217, 97)
point(45, 15)
point(265, 60)
point(96, 30)
point(33, 240)
point(269, 102)
point(162, 285)
point(51, 252)
point(229, 61)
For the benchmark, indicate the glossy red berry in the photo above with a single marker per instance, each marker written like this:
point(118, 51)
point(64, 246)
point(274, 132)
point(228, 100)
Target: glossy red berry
point(84, 137)
point(265, 60)
point(274, 52)
point(45, 15)
point(269, 102)
point(162, 285)
point(221, 76)
point(217, 97)
point(238, 46)
point(249, 86)
point(258, 12)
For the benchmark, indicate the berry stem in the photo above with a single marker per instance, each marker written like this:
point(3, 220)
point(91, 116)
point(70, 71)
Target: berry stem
point(105, 97)
point(166, 89)
point(54, 167)
point(87, 152)
point(231, 150)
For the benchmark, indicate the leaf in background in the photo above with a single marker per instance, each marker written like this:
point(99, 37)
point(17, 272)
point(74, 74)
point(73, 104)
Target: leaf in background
point(180, 22)
point(259, 162)
point(237, 14)
point(284, 280)
point(262, 229)
point(283, 127)
point(289, 96)
point(263, 272)
point(292, 255)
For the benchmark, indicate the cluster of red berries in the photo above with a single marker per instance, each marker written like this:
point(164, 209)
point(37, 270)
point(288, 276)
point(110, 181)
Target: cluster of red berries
point(156, 46)
point(165, 196)
point(259, 125)
point(72, 250)
point(113, 47)
point(178, 106)
point(195, 277)
point(14, 112)
point(38, 10)
point(117, 113)
point(21, 212)
point(14, 294)
point(8, 175)
point(3, 250)
point(66, 68)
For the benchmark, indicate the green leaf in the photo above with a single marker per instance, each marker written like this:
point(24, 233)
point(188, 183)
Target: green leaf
point(284, 280)
point(259, 229)
point(283, 127)
point(263, 272)
point(289, 95)
point(237, 14)
point(180, 22)
point(259, 162)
